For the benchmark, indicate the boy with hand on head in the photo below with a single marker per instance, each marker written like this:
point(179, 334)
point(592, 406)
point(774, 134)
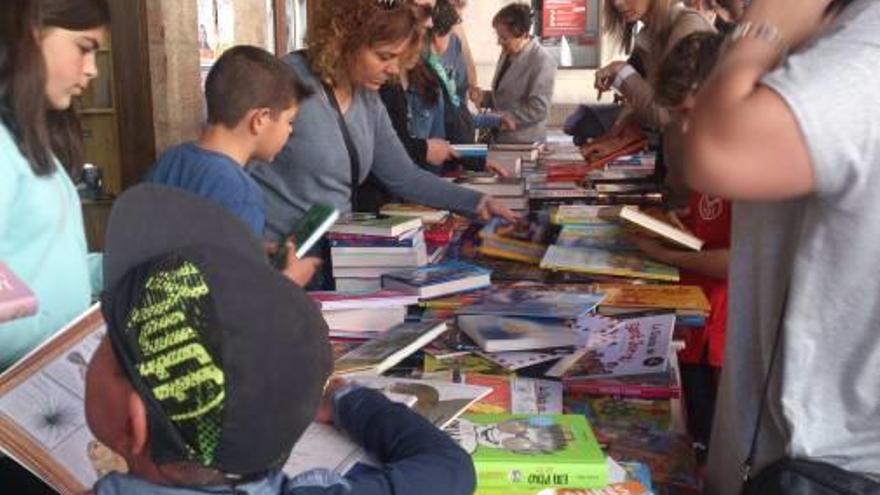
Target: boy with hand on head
point(252, 100)
point(214, 364)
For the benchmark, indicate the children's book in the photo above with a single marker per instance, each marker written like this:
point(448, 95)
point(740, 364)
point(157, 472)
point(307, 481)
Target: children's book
point(438, 280)
point(514, 451)
point(381, 226)
point(16, 299)
point(632, 216)
point(636, 346)
point(426, 213)
point(390, 348)
point(516, 360)
point(578, 215)
point(568, 306)
point(42, 414)
point(602, 262)
point(663, 385)
point(608, 237)
point(689, 298)
point(499, 334)
point(525, 243)
point(437, 401)
point(623, 488)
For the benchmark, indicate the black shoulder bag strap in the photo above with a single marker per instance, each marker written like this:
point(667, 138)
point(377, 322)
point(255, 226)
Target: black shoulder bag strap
point(349, 145)
point(777, 339)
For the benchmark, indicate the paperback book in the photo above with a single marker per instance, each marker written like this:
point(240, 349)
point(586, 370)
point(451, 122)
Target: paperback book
point(632, 216)
point(378, 226)
point(390, 348)
point(16, 299)
point(608, 237)
point(513, 451)
point(532, 303)
point(682, 298)
point(426, 213)
point(602, 262)
point(636, 346)
point(499, 334)
point(438, 280)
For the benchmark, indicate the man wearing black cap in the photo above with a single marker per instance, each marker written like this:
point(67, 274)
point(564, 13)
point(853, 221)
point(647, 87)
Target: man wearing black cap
point(214, 364)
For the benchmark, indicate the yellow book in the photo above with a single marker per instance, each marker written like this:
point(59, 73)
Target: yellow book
point(689, 298)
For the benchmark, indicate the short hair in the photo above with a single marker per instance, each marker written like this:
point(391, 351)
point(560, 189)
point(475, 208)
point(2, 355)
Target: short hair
point(444, 18)
point(245, 78)
point(686, 67)
point(517, 17)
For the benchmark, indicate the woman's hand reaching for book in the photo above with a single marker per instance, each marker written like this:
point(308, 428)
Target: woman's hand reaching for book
point(491, 207)
point(439, 151)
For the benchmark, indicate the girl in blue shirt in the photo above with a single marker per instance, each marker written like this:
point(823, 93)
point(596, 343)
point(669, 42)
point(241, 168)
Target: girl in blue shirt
point(47, 57)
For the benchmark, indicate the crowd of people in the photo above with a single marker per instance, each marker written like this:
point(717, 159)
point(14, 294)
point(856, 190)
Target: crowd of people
point(769, 141)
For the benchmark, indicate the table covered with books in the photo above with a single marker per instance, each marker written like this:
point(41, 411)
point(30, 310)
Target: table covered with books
point(547, 349)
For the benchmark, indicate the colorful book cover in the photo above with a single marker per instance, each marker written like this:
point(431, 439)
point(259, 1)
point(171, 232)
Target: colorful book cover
point(663, 385)
point(389, 348)
point(534, 304)
point(448, 271)
point(525, 243)
point(601, 262)
point(609, 237)
point(535, 396)
point(680, 297)
point(624, 488)
point(496, 402)
point(606, 412)
point(500, 334)
point(515, 451)
point(16, 299)
point(635, 346)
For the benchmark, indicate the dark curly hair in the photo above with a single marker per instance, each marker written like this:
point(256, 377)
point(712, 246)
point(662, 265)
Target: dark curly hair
point(686, 67)
point(444, 18)
point(517, 17)
point(342, 27)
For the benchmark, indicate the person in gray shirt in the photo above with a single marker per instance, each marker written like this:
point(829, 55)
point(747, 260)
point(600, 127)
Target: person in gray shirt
point(354, 47)
point(795, 144)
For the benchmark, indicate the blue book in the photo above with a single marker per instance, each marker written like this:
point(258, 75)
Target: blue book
point(471, 150)
point(487, 120)
point(438, 280)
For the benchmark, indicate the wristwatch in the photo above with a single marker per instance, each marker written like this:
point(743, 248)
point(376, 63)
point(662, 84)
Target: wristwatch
point(760, 30)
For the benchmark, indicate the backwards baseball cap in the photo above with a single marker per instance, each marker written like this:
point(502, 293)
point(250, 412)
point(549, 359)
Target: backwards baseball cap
point(229, 356)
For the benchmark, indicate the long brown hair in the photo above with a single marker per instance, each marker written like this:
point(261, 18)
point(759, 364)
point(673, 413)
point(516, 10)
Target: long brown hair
point(659, 23)
point(43, 133)
point(342, 27)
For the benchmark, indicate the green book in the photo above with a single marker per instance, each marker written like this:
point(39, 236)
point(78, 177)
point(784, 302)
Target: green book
point(522, 451)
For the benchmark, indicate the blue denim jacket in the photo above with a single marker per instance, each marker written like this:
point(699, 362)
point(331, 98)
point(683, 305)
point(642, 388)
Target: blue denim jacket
point(417, 458)
point(425, 121)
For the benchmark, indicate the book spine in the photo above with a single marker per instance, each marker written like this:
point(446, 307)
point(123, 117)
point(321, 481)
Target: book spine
point(630, 391)
point(495, 475)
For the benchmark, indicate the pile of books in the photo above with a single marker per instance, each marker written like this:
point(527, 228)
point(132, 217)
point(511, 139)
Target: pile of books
point(363, 249)
point(509, 191)
point(363, 315)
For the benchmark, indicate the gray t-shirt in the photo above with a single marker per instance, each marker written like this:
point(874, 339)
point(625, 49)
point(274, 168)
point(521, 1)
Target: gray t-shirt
point(314, 166)
point(825, 398)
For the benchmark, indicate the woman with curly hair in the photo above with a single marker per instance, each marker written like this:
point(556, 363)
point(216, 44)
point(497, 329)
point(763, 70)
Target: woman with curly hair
point(344, 133)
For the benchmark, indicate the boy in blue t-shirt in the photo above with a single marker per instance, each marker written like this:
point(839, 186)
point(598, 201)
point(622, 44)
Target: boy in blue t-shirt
point(252, 100)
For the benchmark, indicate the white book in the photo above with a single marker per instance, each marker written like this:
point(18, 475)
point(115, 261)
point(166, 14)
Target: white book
point(376, 319)
point(358, 284)
point(498, 334)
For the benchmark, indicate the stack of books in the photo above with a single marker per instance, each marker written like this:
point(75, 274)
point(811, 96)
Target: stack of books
point(363, 315)
point(510, 191)
point(363, 249)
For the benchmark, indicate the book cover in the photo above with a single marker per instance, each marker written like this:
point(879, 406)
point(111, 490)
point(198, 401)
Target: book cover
point(16, 299)
point(635, 346)
point(496, 402)
point(624, 488)
point(534, 304)
point(608, 237)
point(437, 401)
point(42, 414)
point(662, 385)
point(653, 226)
point(531, 451)
point(535, 396)
point(525, 242)
point(680, 297)
point(499, 334)
point(440, 279)
point(496, 186)
point(601, 262)
point(471, 150)
point(578, 215)
point(378, 226)
point(390, 348)
point(516, 360)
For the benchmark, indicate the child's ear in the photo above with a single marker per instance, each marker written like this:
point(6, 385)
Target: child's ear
point(258, 119)
point(137, 430)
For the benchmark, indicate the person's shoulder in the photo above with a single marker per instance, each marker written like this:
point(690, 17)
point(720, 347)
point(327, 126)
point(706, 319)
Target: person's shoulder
point(542, 54)
point(300, 64)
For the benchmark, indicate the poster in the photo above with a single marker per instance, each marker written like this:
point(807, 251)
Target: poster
point(564, 18)
point(216, 31)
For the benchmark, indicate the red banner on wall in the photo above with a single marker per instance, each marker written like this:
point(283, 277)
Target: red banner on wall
point(564, 18)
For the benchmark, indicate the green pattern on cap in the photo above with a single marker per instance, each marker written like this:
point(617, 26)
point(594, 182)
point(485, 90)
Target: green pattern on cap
point(170, 324)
